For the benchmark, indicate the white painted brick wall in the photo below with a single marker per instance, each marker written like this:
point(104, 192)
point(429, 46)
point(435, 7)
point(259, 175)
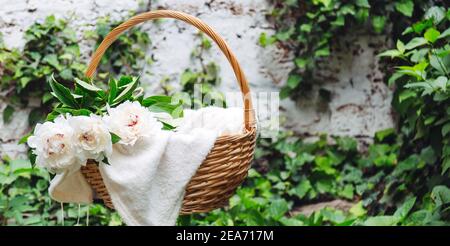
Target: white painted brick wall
point(356, 109)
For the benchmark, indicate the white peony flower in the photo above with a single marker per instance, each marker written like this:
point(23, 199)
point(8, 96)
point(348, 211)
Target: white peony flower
point(53, 145)
point(91, 138)
point(131, 121)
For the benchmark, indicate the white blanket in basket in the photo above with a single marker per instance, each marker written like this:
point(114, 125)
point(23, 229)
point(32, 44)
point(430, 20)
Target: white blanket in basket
point(147, 182)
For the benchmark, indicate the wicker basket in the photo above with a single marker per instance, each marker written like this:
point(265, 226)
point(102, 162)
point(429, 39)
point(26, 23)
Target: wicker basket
point(227, 163)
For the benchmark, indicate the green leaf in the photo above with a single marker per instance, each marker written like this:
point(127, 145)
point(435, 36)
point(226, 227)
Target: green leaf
point(405, 7)
point(445, 34)
point(19, 164)
point(415, 42)
point(176, 110)
point(24, 139)
point(418, 27)
point(347, 192)
point(441, 83)
point(428, 155)
point(87, 86)
point(325, 51)
point(363, 3)
point(324, 164)
point(52, 59)
point(431, 35)
point(285, 34)
point(62, 93)
point(114, 138)
point(156, 99)
point(404, 210)
point(347, 144)
point(8, 113)
point(410, 163)
point(302, 188)
point(437, 64)
point(441, 195)
point(383, 134)
point(445, 165)
point(435, 13)
point(306, 28)
point(358, 209)
point(378, 23)
point(406, 94)
point(300, 62)
point(445, 129)
point(278, 208)
point(400, 46)
point(74, 112)
point(66, 74)
point(105, 161)
point(24, 81)
point(167, 126)
point(390, 53)
point(126, 93)
point(112, 90)
point(263, 39)
point(381, 221)
point(125, 80)
point(285, 92)
point(293, 81)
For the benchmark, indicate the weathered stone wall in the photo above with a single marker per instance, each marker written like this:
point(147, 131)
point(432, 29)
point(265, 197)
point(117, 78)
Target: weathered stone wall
point(360, 102)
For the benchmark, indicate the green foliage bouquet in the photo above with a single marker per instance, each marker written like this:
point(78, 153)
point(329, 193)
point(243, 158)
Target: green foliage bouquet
point(88, 120)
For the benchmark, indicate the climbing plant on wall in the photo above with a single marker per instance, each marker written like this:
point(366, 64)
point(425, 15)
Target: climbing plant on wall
point(310, 28)
point(52, 47)
point(127, 54)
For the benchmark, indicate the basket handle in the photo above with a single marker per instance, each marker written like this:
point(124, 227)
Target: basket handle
point(249, 117)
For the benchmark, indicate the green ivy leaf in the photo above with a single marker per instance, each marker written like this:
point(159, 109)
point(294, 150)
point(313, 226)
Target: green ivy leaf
point(441, 195)
point(278, 208)
point(358, 209)
point(363, 3)
point(431, 35)
point(381, 221)
point(435, 13)
point(52, 59)
point(293, 81)
point(404, 210)
point(415, 42)
point(383, 134)
point(445, 34)
point(347, 192)
point(8, 113)
point(390, 53)
point(406, 94)
point(445, 165)
point(302, 188)
point(405, 7)
point(324, 164)
point(325, 51)
point(378, 23)
point(445, 129)
point(400, 46)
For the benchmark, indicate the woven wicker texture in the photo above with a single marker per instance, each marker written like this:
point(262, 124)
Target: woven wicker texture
point(227, 164)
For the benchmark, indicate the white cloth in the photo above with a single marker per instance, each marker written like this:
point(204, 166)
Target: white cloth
point(147, 182)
